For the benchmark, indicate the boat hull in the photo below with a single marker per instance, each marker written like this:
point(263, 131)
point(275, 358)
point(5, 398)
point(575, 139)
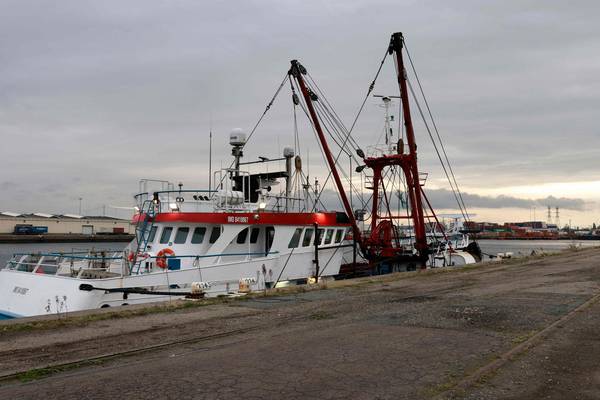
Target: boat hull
point(25, 294)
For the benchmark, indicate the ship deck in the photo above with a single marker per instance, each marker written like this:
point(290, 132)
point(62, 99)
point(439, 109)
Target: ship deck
point(514, 330)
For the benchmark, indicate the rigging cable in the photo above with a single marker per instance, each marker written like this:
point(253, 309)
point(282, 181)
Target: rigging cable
point(317, 199)
point(328, 104)
point(436, 149)
point(436, 130)
point(349, 132)
point(267, 108)
point(318, 196)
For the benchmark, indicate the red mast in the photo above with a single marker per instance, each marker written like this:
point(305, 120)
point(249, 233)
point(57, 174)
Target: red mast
point(380, 244)
point(410, 167)
point(382, 229)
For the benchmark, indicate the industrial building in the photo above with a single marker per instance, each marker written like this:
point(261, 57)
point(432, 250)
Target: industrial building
point(63, 224)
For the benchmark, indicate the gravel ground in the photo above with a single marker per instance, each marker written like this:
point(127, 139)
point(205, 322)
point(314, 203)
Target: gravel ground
point(406, 336)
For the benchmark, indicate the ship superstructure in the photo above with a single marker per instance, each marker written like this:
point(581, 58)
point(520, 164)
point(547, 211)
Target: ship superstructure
point(234, 238)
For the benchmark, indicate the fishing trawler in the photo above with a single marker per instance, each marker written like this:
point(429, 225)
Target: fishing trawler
point(236, 239)
point(240, 235)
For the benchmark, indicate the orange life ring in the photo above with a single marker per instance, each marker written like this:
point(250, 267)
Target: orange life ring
point(161, 257)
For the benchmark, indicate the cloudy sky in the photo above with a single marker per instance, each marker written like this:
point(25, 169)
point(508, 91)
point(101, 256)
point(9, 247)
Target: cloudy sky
point(95, 95)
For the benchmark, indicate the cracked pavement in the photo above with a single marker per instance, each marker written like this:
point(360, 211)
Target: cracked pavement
point(407, 336)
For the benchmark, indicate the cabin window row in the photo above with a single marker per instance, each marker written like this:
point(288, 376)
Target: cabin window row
point(243, 235)
point(182, 234)
point(323, 237)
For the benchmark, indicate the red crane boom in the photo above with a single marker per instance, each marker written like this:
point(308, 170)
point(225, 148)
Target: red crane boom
point(379, 243)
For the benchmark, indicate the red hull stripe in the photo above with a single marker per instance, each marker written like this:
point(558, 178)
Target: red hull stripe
point(263, 218)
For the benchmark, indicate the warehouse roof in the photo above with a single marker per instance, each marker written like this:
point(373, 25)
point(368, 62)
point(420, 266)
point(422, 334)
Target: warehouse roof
point(9, 214)
point(58, 216)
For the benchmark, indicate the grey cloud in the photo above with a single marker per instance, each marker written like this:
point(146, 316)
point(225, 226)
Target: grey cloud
point(109, 92)
point(444, 199)
point(7, 185)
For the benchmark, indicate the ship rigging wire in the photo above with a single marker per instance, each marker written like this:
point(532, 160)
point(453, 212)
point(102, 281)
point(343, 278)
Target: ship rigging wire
point(462, 211)
point(318, 196)
point(436, 131)
point(336, 130)
point(267, 108)
point(349, 132)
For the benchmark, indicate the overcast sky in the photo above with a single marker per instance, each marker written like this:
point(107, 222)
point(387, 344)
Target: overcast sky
point(95, 95)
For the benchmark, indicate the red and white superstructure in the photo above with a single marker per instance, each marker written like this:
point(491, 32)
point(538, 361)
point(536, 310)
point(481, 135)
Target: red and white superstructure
point(224, 241)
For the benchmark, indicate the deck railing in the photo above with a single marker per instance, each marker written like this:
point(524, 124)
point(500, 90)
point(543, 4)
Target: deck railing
point(51, 263)
point(202, 200)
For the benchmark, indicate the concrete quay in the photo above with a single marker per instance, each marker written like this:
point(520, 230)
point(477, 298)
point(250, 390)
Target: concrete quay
point(523, 329)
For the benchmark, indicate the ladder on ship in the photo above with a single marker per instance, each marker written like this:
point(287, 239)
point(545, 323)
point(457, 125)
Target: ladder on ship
point(143, 229)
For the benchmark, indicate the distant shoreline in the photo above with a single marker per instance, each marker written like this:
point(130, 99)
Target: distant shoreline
point(549, 239)
point(63, 238)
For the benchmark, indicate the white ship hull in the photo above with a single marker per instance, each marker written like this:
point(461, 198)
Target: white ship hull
point(25, 294)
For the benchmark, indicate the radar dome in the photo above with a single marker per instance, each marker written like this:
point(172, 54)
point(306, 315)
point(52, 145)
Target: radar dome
point(237, 137)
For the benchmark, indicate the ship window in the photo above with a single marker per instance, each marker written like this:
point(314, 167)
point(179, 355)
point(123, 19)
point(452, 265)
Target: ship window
point(307, 237)
point(198, 235)
point(214, 234)
point(241, 237)
point(329, 236)
point(166, 234)
point(319, 236)
point(269, 236)
point(181, 235)
point(152, 234)
point(338, 235)
point(254, 235)
point(295, 238)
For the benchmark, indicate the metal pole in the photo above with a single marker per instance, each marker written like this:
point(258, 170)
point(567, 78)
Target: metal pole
point(317, 240)
point(353, 256)
point(288, 181)
point(210, 158)
point(351, 205)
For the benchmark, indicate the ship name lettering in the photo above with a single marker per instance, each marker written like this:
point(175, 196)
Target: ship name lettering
point(238, 220)
point(20, 290)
